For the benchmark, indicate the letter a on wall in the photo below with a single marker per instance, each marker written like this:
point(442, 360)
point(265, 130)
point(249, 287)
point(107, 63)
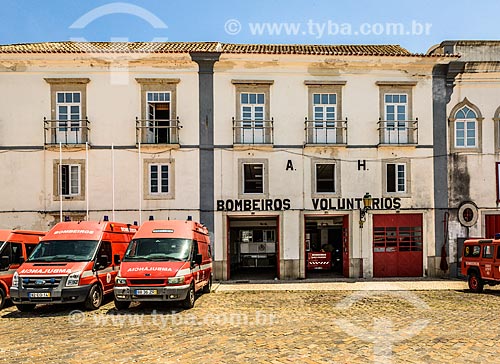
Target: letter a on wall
point(289, 165)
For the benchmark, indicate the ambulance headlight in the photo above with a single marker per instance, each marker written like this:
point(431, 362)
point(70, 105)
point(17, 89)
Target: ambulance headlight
point(176, 280)
point(73, 279)
point(15, 280)
point(119, 281)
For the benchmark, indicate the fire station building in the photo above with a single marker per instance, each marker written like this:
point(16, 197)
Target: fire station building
point(304, 161)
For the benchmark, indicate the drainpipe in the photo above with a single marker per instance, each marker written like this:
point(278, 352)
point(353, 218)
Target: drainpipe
point(206, 61)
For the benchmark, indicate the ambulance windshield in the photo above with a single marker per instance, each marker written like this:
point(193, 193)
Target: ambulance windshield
point(64, 251)
point(163, 249)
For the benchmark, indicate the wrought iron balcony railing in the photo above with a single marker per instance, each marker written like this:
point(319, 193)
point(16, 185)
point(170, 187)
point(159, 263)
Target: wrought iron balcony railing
point(253, 131)
point(157, 131)
point(402, 132)
point(326, 132)
point(66, 131)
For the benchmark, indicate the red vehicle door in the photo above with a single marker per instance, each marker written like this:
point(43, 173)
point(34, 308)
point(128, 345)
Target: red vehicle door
point(496, 264)
point(486, 262)
point(106, 272)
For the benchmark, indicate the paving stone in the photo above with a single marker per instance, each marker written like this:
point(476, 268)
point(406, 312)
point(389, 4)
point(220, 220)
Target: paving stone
point(292, 325)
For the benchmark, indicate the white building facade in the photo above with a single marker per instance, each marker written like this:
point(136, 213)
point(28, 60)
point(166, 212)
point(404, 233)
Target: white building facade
point(471, 135)
point(272, 147)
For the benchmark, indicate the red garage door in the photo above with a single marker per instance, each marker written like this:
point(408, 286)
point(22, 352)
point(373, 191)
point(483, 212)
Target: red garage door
point(492, 225)
point(397, 245)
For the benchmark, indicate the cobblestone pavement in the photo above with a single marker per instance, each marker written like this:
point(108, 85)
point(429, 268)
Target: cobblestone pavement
point(276, 327)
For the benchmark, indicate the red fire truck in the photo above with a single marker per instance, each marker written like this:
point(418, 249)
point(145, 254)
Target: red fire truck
point(481, 263)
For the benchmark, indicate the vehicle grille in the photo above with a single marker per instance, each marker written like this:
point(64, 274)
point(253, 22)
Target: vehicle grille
point(41, 282)
point(149, 282)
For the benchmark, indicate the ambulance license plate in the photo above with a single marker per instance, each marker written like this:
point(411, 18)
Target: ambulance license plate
point(39, 295)
point(146, 292)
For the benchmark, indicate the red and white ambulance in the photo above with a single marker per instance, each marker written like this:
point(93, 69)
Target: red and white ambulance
point(167, 261)
point(15, 247)
point(74, 262)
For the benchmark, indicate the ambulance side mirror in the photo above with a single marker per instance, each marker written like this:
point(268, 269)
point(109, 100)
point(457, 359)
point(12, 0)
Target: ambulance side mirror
point(117, 259)
point(198, 259)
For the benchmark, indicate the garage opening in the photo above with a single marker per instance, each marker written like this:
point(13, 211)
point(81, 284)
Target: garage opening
point(327, 253)
point(253, 248)
point(492, 225)
point(397, 245)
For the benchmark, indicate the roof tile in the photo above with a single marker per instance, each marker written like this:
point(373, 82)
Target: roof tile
point(187, 47)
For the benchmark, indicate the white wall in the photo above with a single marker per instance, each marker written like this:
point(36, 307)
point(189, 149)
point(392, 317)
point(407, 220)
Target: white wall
point(113, 103)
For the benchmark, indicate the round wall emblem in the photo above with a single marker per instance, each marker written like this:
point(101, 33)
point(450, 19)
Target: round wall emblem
point(468, 214)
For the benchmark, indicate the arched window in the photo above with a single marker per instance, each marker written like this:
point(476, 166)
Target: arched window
point(496, 119)
point(465, 128)
point(465, 125)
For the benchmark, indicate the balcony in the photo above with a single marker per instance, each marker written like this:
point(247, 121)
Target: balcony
point(157, 131)
point(256, 132)
point(401, 132)
point(68, 132)
point(326, 132)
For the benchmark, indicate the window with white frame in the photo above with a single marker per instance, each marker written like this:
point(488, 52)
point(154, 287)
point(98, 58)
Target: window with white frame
point(158, 114)
point(69, 179)
point(158, 122)
point(396, 106)
point(159, 178)
point(324, 106)
point(395, 118)
point(496, 119)
point(324, 116)
point(157, 96)
point(68, 106)
point(253, 110)
point(158, 182)
point(396, 174)
point(325, 178)
point(67, 123)
point(252, 123)
point(68, 114)
point(397, 124)
point(252, 106)
point(465, 128)
point(253, 178)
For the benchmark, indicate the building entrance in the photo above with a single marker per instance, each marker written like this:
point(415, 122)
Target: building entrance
point(253, 248)
point(327, 246)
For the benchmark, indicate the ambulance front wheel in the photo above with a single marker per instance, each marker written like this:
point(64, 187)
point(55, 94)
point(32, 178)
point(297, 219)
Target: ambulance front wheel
point(26, 308)
point(94, 299)
point(122, 305)
point(2, 298)
point(190, 297)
